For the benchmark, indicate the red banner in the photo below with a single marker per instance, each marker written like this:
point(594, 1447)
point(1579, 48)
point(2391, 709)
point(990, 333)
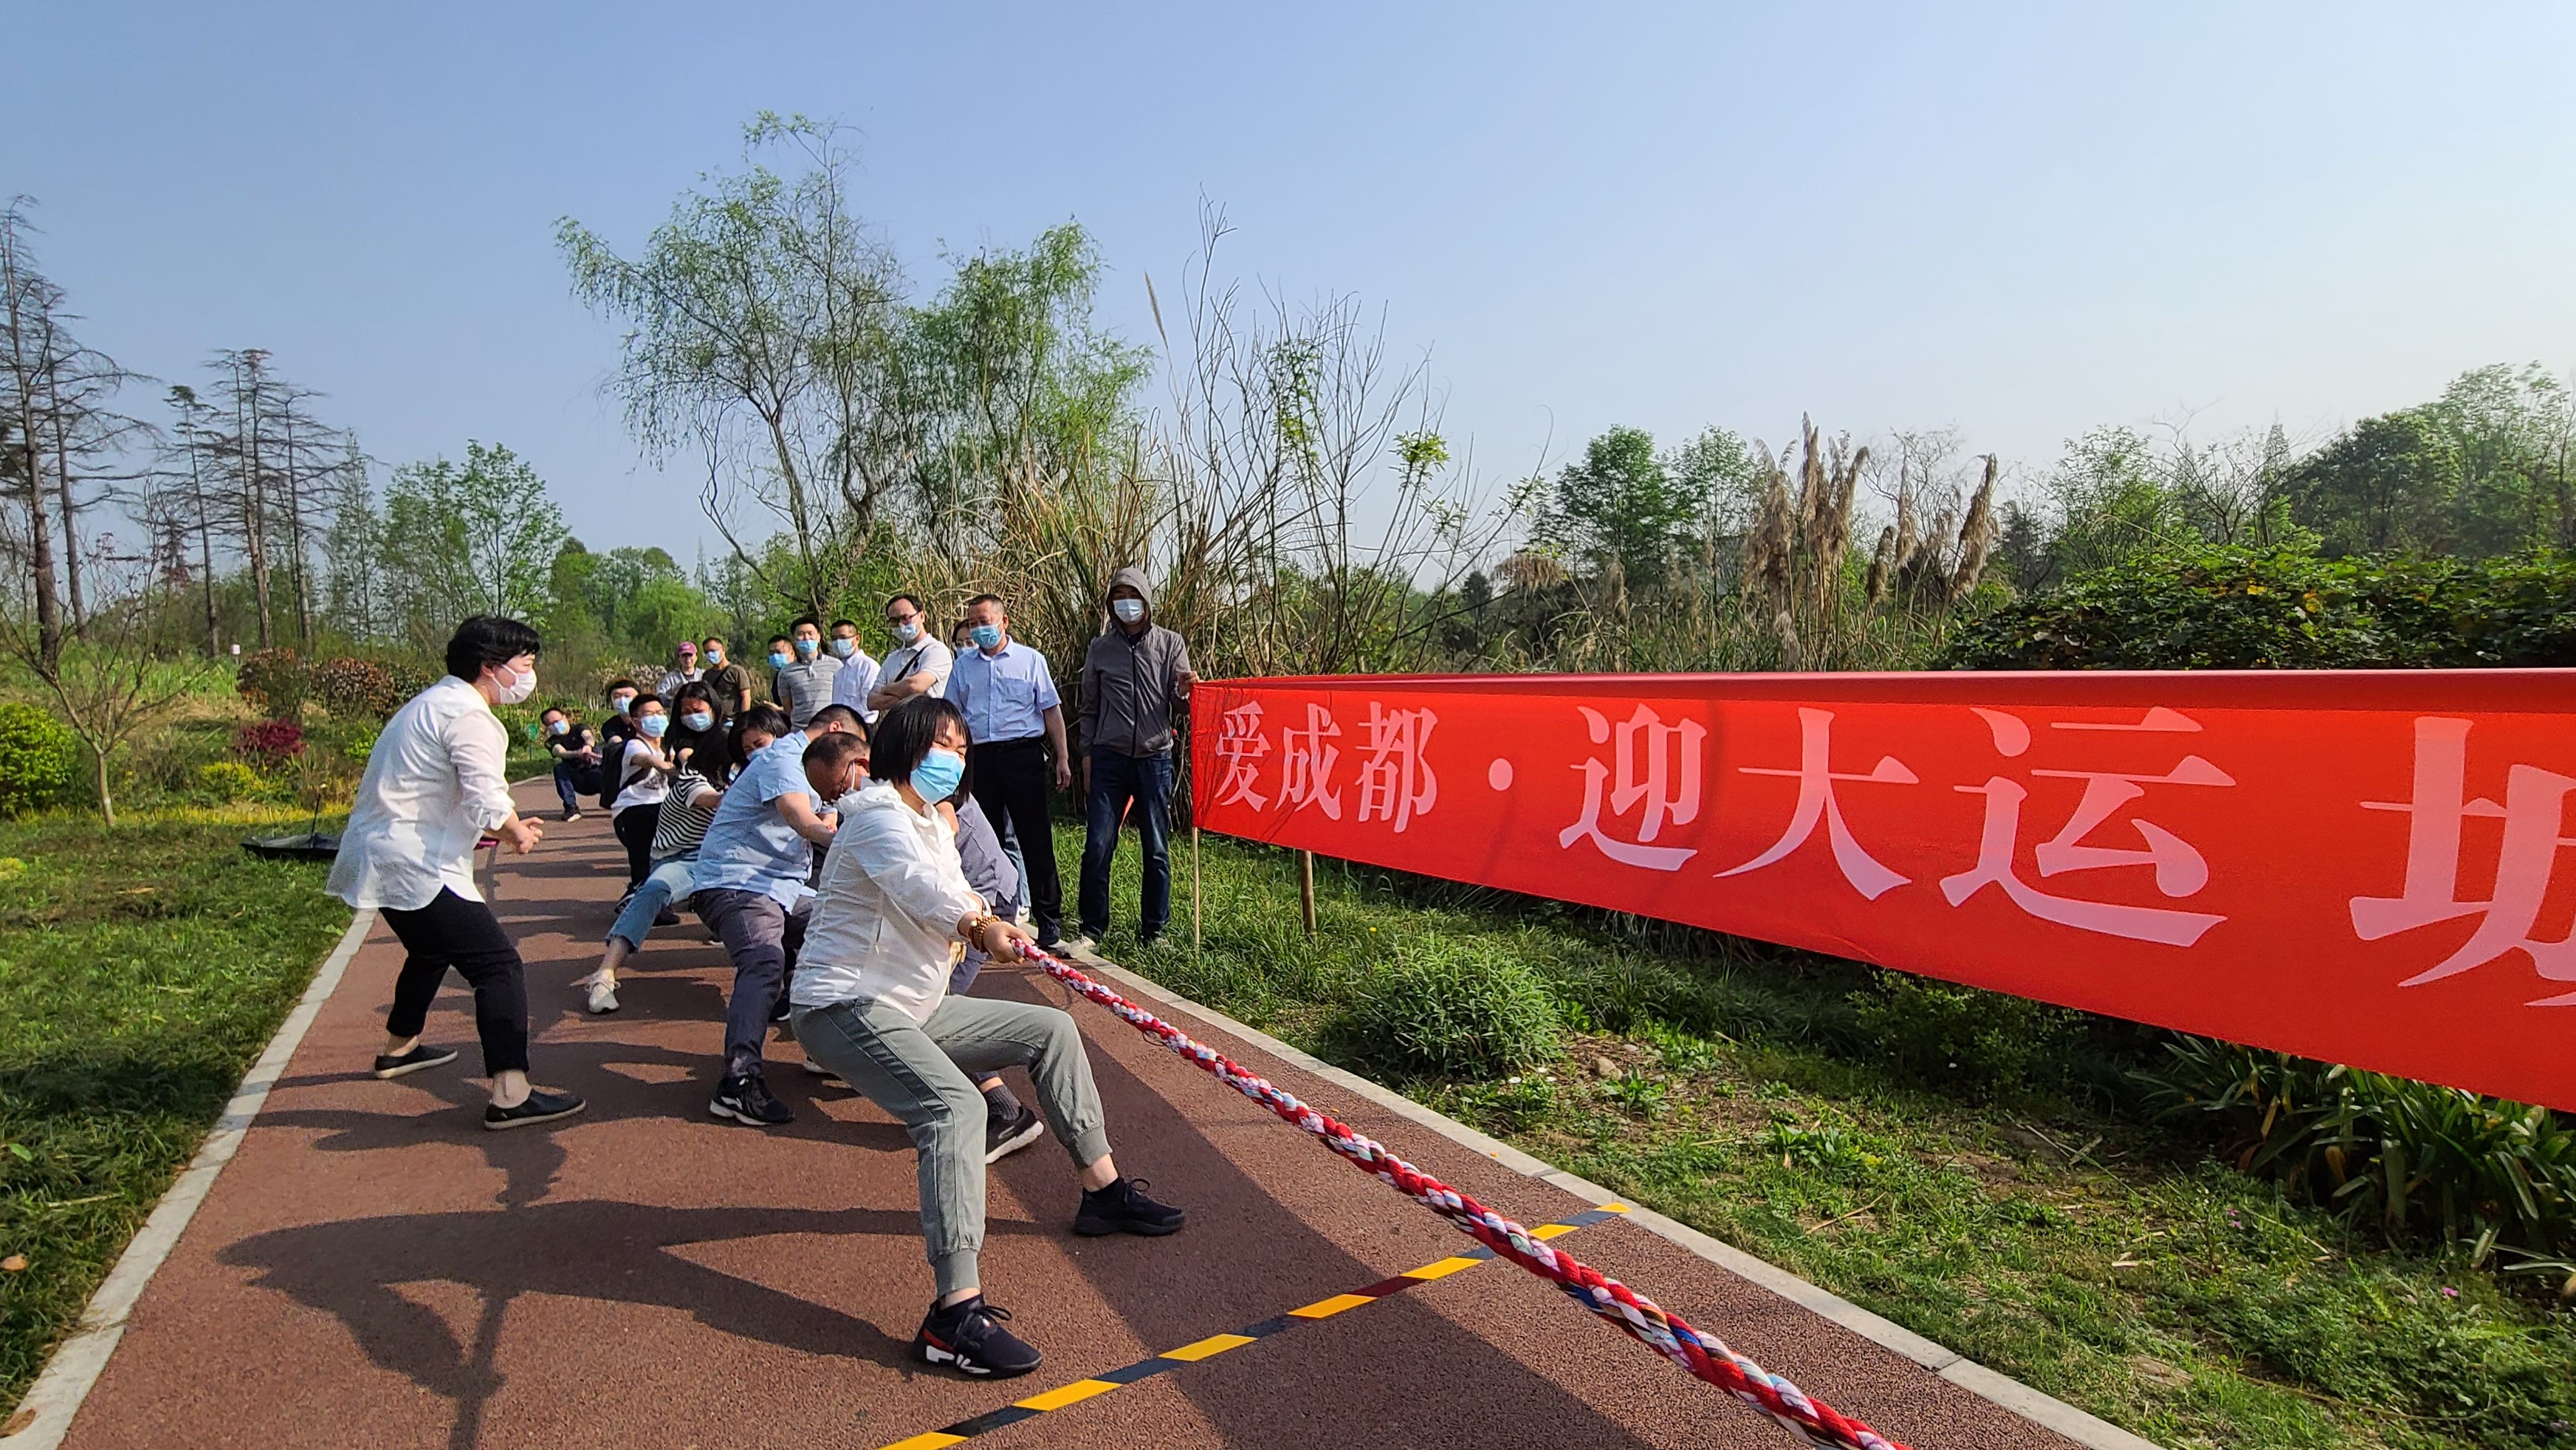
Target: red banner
point(2363, 867)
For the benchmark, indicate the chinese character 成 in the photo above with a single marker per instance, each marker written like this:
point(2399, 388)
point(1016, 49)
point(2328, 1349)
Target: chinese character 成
point(1816, 802)
point(1658, 767)
point(2179, 869)
point(1396, 783)
point(1306, 763)
point(2535, 804)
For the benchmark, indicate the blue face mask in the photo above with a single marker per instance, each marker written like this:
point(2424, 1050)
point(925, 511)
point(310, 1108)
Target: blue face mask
point(653, 726)
point(805, 648)
point(698, 720)
point(935, 779)
point(620, 703)
point(987, 636)
point(778, 661)
point(844, 648)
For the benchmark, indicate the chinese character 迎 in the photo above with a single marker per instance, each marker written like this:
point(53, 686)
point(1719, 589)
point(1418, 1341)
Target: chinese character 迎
point(2179, 869)
point(1667, 784)
point(1816, 802)
point(1395, 782)
point(1306, 764)
point(1239, 745)
point(2535, 804)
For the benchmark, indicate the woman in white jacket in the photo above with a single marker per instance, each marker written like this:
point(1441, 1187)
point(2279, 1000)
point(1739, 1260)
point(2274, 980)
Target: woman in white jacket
point(871, 1003)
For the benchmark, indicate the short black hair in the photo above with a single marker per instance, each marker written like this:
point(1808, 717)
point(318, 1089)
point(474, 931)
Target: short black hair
point(912, 599)
point(696, 690)
point(781, 639)
point(831, 752)
point(994, 600)
point(642, 699)
point(906, 733)
point(554, 710)
point(851, 625)
point(615, 685)
point(487, 639)
point(802, 620)
point(841, 715)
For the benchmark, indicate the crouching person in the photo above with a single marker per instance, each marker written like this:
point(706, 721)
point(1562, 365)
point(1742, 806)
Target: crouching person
point(871, 1003)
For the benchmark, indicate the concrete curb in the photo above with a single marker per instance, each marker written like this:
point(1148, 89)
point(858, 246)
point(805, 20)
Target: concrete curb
point(57, 1394)
point(2046, 1411)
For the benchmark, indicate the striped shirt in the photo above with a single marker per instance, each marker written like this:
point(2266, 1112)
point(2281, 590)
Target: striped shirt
point(685, 814)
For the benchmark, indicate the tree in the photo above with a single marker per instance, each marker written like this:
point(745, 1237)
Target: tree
point(480, 538)
point(1623, 505)
point(764, 326)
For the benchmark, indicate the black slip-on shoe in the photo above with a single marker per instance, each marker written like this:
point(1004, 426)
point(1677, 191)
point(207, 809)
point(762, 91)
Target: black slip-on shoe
point(746, 1099)
point(1122, 1207)
point(970, 1339)
point(540, 1107)
point(414, 1060)
point(1006, 1136)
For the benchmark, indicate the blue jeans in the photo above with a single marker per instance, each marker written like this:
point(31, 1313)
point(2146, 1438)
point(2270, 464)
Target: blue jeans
point(669, 882)
point(568, 783)
point(1117, 780)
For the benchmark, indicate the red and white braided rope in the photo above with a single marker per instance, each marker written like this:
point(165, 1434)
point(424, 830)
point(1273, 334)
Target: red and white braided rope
point(1696, 1350)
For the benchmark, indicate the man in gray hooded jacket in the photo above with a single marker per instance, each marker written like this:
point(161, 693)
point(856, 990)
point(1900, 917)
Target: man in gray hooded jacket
point(1135, 676)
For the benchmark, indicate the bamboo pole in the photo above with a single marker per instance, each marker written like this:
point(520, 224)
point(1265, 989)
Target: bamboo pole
point(1194, 890)
point(1306, 888)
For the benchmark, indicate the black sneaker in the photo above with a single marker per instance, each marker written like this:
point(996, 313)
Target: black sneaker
point(667, 917)
point(414, 1060)
point(541, 1107)
point(746, 1099)
point(1006, 1136)
point(969, 1338)
point(1122, 1207)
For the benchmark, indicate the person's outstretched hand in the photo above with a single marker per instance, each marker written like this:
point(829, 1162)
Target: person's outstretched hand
point(521, 835)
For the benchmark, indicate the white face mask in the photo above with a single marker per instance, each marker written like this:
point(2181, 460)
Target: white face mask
point(520, 688)
point(1127, 610)
point(907, 632)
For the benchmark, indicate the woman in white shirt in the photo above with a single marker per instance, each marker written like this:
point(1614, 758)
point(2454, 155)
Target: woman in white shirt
point(436, 780)
point(871, 1004)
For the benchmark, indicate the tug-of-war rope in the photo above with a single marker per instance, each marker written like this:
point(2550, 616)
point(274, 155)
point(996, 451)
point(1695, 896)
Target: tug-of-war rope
point(1701, 1353)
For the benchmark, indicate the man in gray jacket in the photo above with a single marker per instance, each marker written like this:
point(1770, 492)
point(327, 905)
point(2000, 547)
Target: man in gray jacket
point(1134, 677)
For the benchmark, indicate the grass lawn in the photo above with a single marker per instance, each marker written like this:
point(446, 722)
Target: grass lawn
point(2072, 1246)
point(141, 972)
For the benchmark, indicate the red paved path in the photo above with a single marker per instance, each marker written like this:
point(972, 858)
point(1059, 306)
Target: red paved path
point(374, 1269)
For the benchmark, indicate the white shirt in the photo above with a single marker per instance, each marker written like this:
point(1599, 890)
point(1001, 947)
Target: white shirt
point(671, 683)
point(924, 654)
point(850, 687)
point(645, 784)
point(437, 779)
point(893, 893)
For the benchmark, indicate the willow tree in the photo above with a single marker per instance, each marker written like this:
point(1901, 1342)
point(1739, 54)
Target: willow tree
point(764, 334)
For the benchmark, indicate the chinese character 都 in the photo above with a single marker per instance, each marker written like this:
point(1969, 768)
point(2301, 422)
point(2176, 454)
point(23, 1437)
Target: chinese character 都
point(2535, 804)
point(1658, 766)
point(1816, 802)
point(2179, 869)
point(1396, 783)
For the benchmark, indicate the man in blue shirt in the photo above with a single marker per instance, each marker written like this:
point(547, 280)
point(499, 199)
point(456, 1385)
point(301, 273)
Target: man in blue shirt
point(753, 887)
point(1016, 721)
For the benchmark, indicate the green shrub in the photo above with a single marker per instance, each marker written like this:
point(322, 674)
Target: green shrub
point(2409, 1158)
point(229, 780)
point(1939, 1032)
point(38, 759)
point(276, 682)
point(2286, 608)
point(1450, 1007)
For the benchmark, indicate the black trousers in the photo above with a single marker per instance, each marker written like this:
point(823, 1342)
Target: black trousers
point(454, 932)
point(635, 826)
point(1011, 780)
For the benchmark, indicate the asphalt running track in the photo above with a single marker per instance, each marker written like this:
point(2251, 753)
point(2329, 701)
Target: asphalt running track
point(375, 1269)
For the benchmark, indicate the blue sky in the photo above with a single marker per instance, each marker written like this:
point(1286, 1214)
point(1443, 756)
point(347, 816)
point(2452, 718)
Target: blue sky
point(2019, 220)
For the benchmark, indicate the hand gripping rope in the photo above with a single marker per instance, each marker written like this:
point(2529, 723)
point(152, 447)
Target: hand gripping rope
point(1701, 1353)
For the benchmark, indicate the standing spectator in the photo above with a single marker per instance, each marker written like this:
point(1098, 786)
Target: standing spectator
point(753, 880)
point(1134, 677)
point(576, 760)
point(859, 670)
point(803, 684)
point(918, 664)
point(437, 779)
point(643, 782)
point(728, 681)
point(1016, 720)
point(684, 671)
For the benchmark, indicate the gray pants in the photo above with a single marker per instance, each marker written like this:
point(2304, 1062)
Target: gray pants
point(924, 1074)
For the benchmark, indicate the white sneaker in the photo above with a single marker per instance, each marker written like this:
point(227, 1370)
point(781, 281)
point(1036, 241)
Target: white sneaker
point(603, 995)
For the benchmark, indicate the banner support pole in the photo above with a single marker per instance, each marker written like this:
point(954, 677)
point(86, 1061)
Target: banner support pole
point(1194, 890)
point(1306, 888)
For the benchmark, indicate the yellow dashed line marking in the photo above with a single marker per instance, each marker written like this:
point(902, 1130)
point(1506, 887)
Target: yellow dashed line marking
point(1442, 1269)
point(1214, 1344)
point(1073, 1393)
point(935, 1440)
point(1327, 1308)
